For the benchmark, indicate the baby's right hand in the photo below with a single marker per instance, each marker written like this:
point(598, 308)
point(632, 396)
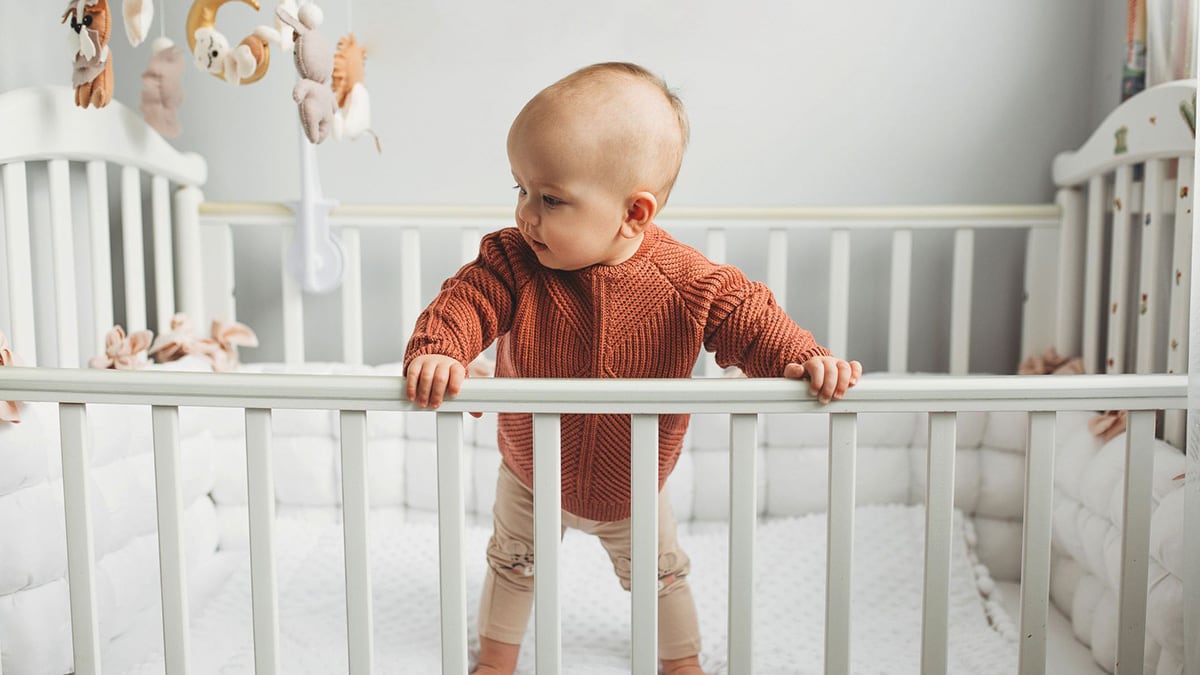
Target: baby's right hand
point(432, 377)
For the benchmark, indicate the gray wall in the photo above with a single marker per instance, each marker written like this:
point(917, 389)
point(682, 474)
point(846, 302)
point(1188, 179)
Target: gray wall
point(796, 103)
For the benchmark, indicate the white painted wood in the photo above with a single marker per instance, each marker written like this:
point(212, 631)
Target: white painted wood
point(960, 301)
point(1118, 272)
point(81, 550)
point(22, 334)
point(901, 290)
point(939, 519)
point(1191, 495)
point(1069, 289)
point(1147, 126)
point(1039, 303)
point(133, 254)
point(470, 239)
point(547, 523)
point(451, 543)
point(100, 247)
point(843, 444)
point(743, 518)
point(164, 268)
point(644, 566)
point(219, 283)
point(187, 238)
point(355, 509)
point(1035, 543)
point(66, 321)
point(714, 245)
point(35, 120)
point(263, 581)
point(410, 281)
point(1175, 423)
point(352, 301)
point(1135, 541)
point(1092, 308)
point(1151, 224)
point(777, 260)
point(839, 291)
point(293, 305)
point(168, 486)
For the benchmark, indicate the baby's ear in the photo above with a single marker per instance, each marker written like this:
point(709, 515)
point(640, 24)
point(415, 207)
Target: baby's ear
point(640, 212)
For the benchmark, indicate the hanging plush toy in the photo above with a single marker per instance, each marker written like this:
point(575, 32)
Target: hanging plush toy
point(138, 15)
point(314, 63)
point(92, 75)
point(246, 63)
point(354, 105)
point(162, 88)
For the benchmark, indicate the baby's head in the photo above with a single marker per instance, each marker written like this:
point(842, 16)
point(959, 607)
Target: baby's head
point(606, 143)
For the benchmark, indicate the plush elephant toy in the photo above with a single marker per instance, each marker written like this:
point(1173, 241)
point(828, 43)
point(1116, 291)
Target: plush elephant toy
point(314, 62)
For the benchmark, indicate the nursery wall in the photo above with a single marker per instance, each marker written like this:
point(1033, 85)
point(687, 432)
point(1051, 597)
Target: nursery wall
point(797, 103)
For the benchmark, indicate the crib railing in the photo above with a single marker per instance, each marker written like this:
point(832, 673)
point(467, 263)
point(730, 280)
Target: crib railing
point(942, 398)
point(213, 294)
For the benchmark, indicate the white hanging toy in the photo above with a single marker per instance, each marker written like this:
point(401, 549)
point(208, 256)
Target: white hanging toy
point(138, 15)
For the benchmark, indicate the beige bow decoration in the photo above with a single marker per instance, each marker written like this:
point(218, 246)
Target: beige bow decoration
point(123, 352)
point(227, 336)
point(10, 411)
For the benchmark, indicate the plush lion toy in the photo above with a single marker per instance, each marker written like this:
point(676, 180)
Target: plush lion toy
point(92, 76)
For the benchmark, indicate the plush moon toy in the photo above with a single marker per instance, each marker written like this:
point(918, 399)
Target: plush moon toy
point(162, 88)
point(246, 63)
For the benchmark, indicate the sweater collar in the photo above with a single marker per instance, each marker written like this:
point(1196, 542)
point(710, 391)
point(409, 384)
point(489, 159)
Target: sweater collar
point(650, 239)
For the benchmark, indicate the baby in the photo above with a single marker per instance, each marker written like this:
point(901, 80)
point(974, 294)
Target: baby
point(586, 285)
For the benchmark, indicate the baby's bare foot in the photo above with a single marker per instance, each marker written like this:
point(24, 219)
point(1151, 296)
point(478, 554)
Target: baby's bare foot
point(686, 666)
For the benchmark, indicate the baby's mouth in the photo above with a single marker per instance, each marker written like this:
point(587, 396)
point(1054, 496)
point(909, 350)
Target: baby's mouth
point(536, 245)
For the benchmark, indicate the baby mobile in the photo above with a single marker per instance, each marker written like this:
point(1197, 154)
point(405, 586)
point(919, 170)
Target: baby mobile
point(331, 95)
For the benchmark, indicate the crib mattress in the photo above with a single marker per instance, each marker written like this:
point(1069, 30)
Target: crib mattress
point(789, 595)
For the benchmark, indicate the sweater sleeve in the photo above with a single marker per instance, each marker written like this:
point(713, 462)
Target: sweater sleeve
point(474, 306)
point(746, 328)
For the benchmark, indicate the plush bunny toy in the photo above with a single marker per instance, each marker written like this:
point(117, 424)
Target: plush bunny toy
point(314, 62)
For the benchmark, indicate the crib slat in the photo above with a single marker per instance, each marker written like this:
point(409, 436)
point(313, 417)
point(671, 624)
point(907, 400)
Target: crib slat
point(644, 567)
point(219, 282)
point(410, 281)
point(1151, 226)
point(1091, 274)
point(168, 486)
point(1118, 287)
point(1175, 431)
point(960, 301)
point(66, 321)
point(451, 542)
point(547, 522)
point(22, 331)
point(777, 254)
point(187, 238)
point(1070, 272)
point(714, 245)
point(81, 551)
point(355, 503)
point(470, 244)
point(843, 444)
point(901, 297)
point(1035, 546)
point(293, 305)
point(743, 513)
point(352, 313)
point(261, 497)
point(939, 519)
point(164, 279)
point(1135, 541)
point(133, 254)
point(839, 291)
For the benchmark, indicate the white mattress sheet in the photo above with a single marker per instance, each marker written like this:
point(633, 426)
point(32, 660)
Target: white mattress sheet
point(789, 596)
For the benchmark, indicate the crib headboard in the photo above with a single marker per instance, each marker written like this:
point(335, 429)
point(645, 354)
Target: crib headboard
point(58, 299)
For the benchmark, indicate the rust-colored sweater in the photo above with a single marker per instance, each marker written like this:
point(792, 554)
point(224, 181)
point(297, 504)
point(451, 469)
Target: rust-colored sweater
point(646, 317)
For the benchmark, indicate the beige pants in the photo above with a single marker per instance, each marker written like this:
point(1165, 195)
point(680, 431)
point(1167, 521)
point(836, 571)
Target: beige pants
point(507, 597)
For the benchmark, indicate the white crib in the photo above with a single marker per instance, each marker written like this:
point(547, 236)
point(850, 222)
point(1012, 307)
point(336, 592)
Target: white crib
point(1074, 271)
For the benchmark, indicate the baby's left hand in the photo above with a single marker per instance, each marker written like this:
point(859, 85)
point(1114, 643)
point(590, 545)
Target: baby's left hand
point(829, 377)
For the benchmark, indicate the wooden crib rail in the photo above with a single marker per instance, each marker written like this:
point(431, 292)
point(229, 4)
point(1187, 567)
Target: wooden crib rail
point(780, 223)
point(941, 397)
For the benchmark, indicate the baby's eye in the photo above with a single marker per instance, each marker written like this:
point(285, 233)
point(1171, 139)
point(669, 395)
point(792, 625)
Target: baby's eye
point(520, 190)
point(550, 201)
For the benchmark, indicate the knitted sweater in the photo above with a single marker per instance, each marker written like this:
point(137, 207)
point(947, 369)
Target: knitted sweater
point(646, 317)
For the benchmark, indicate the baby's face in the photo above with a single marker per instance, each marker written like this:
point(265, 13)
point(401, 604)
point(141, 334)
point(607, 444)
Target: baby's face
point(570, 204)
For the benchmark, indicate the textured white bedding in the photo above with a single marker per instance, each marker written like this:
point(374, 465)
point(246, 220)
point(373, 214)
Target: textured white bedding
point(789, 600)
